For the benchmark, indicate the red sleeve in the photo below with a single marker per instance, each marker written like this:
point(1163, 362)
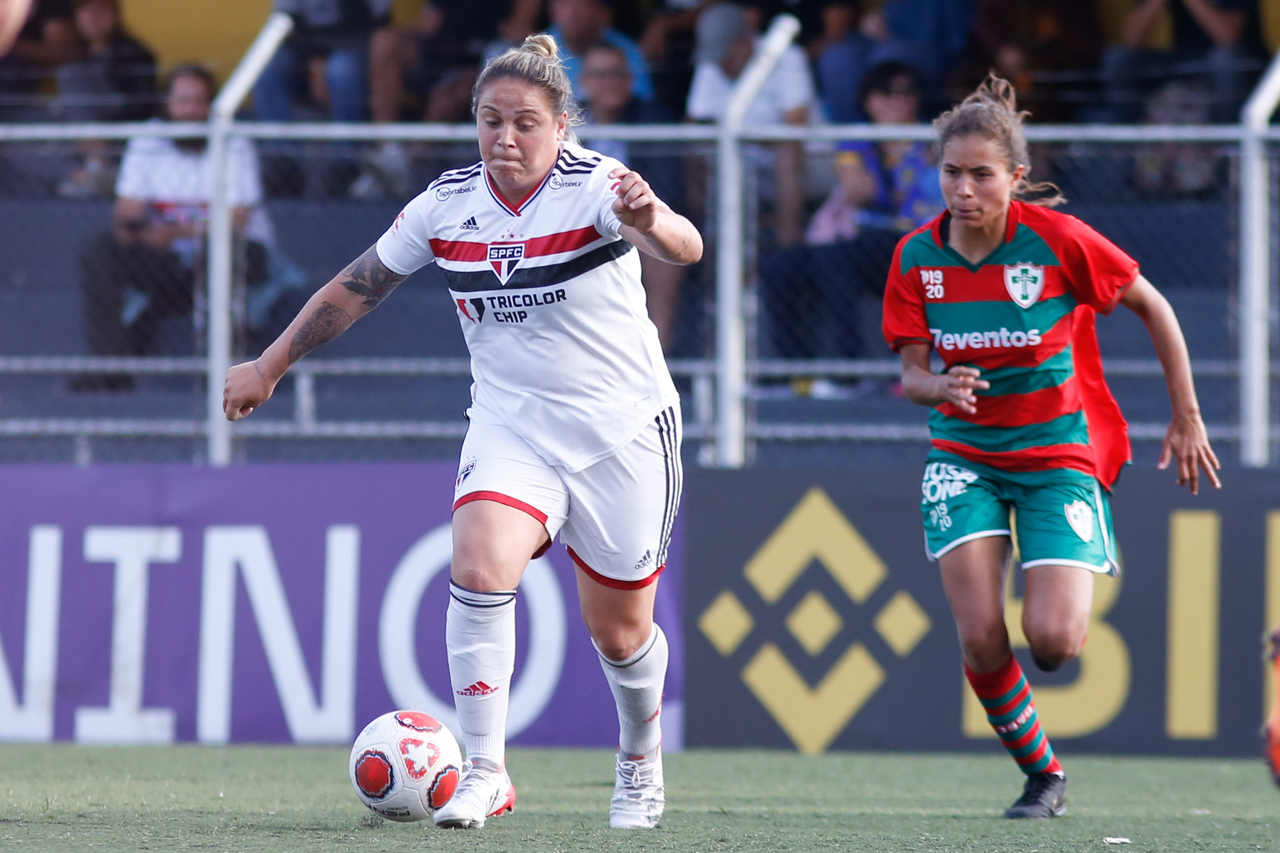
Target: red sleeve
point(1099, 271)
point(903, 320)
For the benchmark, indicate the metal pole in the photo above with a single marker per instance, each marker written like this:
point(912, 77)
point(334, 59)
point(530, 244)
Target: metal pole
point(275, 30)
point(1255, 268)
point(731, 432)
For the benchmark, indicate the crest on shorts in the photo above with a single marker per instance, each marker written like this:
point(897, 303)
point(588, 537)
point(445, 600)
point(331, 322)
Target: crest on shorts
point(504, 258)
point(1080, 517)
point(1025, 283)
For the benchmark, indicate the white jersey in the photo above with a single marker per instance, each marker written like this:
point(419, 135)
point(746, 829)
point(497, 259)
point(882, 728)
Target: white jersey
point(550, 301)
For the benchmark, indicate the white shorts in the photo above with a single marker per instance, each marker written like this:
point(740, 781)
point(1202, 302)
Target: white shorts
point(615, 517)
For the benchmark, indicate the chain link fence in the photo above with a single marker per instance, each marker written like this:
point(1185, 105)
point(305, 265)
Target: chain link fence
point(101, 355)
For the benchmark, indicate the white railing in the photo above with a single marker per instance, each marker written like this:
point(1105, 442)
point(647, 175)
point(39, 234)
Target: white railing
point(726, 424)
point(277, 28)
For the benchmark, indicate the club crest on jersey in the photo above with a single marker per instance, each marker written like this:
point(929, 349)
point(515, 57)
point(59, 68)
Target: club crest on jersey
point(1080, 517)
point(504, 258)
point(1025, 283)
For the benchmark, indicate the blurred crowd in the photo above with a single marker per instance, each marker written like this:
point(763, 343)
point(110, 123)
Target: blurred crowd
point(1190, 61)
point(829, 216)
point(354, 60)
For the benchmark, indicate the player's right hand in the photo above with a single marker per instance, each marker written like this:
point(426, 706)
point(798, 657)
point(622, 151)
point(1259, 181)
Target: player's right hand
point(247, 387)
point(958, 386)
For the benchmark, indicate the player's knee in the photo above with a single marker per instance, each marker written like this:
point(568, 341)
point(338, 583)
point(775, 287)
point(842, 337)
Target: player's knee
point(483, 572)
point(486, 566)
point(619, 640)
point(1053, 646)
point(985, 647)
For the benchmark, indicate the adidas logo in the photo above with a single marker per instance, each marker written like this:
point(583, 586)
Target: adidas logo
point(477, 688)
point(470, 224)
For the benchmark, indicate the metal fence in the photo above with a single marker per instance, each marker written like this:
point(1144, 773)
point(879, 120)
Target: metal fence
point(776, 348)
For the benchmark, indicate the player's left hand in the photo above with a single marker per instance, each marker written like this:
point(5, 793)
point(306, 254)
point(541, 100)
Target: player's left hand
point(1187, 444)
point(636, 206)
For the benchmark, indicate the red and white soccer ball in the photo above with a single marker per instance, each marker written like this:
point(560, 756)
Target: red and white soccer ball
point(405, 765)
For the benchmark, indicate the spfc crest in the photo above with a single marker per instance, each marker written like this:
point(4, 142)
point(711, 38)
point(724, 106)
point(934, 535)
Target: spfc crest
point(504, 258)
point(1024, 282)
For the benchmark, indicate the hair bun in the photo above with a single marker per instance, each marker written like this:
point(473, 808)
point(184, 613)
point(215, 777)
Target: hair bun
point(542, 45)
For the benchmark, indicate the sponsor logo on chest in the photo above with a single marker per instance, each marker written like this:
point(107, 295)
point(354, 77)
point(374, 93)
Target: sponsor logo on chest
point(504, 258)
point(1024, 282)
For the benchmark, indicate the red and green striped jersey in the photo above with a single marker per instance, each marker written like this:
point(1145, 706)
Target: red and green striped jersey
point(1024, 316)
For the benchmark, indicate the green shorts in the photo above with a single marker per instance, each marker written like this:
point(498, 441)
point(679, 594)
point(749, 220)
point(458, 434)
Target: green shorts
point(1062, 516)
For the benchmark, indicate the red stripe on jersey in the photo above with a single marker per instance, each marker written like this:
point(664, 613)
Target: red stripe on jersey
point(987, 284)
point(564, 241)
point(459, 250)
point(551, 244)
point(1015, 410)
point(1076, 456)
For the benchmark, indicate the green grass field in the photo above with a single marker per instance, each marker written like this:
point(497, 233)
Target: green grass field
point(242, 798)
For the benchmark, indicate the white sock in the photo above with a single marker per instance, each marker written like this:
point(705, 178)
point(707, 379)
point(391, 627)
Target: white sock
point(480, 635)
point(637, 690)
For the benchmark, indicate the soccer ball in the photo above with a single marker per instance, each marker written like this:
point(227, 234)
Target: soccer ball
point(405, 765)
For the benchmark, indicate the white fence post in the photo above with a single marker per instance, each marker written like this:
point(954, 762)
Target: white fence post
point(219, 250)
point(1255, 269)
point(731, 431)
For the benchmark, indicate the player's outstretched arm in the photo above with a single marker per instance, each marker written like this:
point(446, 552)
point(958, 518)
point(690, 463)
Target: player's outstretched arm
point(922, 386)
point(1187, 441)
point(651, 226)
point(351, 294)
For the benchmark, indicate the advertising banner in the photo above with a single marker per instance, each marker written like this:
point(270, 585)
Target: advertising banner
point(153, 603)
point(814, 620)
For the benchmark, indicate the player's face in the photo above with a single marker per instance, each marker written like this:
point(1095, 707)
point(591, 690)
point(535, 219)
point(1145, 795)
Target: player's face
point(519, 135)
point(976, 181)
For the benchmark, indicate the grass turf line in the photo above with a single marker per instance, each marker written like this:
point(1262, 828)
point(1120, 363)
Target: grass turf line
point(57, 797)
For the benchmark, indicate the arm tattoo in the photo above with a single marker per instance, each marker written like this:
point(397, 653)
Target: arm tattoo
point(325, 323)
point(367, 277)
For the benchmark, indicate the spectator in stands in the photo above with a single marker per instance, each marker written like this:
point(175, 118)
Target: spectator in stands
point(1215, 41)
point(46, 40)
point(667, 44)
point(323, 63)
point(1030, 43)
point(334, 32)
point(725, 41)
point(424, 69)
point(1178, 169)
point(840, 56)
point(812, 293)
point(932, 35)
point(115, 80)
point(578, 24)
point(146, 268)
point(609, 99)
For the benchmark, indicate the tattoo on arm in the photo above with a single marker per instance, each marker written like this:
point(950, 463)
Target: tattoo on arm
point(325, 323)
point(367, 277)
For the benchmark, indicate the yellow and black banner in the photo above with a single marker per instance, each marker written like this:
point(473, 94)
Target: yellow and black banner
point(814, 620)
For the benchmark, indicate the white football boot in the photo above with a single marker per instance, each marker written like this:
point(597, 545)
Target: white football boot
point(485, 791)
point(638, 796)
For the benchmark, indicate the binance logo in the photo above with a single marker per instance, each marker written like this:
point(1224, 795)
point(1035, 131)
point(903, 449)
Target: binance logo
point(812, 715)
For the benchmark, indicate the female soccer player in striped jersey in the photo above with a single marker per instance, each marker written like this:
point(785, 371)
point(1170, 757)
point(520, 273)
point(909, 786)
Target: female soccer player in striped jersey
point(574, 423)
point(1006, 292)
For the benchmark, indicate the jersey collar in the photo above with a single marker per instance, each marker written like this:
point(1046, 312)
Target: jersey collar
point(1010, 225)
point(518, 207)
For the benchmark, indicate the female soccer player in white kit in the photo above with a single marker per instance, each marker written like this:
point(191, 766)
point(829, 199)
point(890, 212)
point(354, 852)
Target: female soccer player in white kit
point(574, 421)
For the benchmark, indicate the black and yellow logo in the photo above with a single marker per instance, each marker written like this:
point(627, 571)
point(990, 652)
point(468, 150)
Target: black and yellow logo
point(815, 529)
